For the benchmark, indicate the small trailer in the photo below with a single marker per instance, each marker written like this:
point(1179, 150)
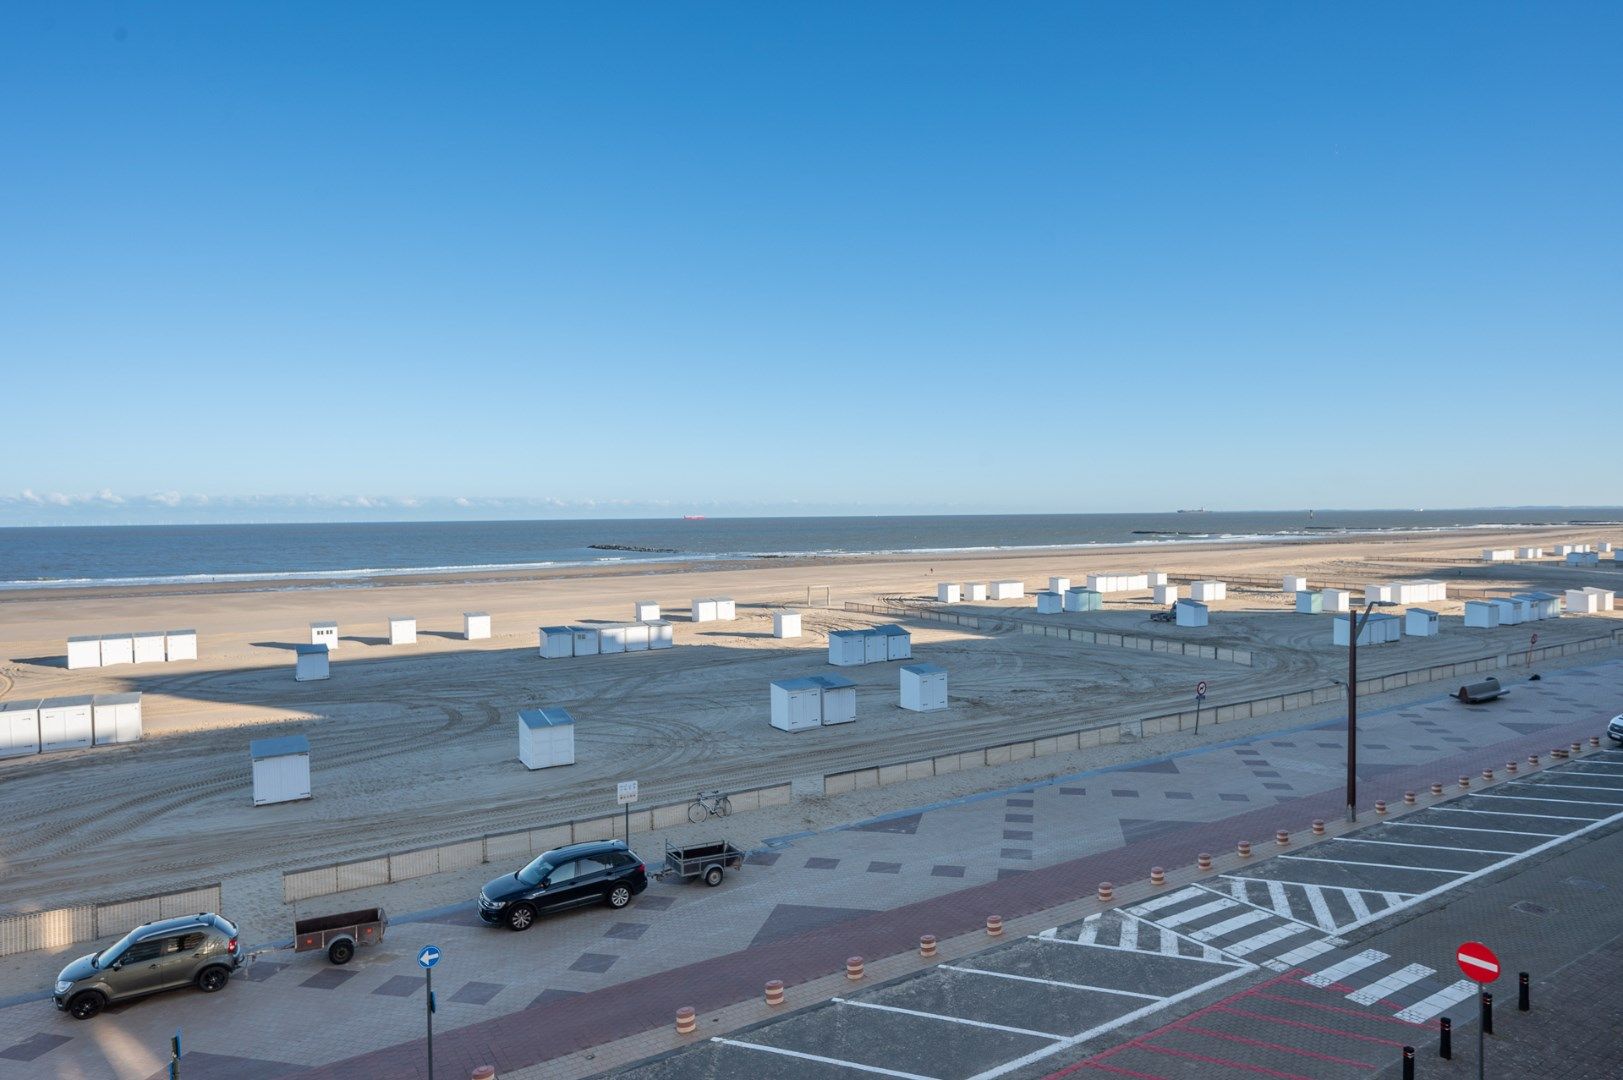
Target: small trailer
point(1478, 692)
point(338, 935)
point(707, 861)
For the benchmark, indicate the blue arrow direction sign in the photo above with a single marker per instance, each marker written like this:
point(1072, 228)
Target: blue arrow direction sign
point(429, 956)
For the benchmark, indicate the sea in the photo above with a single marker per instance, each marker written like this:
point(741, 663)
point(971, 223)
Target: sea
point(82, 556)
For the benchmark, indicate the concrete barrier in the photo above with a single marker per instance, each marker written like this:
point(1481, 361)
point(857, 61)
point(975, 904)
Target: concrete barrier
point(524, 844)
point(26, 931)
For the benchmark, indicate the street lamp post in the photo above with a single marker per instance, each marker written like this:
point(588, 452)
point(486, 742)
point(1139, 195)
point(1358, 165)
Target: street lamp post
point(1355, 626)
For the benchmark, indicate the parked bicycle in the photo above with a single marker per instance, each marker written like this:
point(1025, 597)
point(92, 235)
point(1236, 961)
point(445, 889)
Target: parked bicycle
point(709, 804)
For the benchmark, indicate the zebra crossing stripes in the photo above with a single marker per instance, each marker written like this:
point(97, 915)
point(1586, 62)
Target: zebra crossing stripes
point(1189, 915)
point(1122, 932)
point(1390, 985)
point(1302, 954)
point(1230, 925)
point(1266, 938)
point(1353, 964)
point(1425, 1009)
point(1328, 907)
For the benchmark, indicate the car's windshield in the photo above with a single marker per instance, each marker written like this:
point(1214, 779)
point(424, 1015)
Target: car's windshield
point(535, 872)
point(111, 954)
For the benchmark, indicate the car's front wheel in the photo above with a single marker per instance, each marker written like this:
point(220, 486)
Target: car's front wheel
point(86, 1004)
point(211, 979)
point(520, 917)
point(619, 896)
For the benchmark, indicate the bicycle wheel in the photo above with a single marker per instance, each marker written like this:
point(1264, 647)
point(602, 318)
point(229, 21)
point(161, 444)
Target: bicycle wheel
point(724, 806)
point(697, 812)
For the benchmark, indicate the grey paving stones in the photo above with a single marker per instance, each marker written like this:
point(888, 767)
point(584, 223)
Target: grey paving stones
point(594, 963)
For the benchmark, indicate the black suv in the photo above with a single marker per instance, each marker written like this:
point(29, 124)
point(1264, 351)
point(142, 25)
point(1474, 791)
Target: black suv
point(602, 872)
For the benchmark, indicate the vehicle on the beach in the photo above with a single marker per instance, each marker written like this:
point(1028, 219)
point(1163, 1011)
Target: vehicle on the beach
point(602, 872)
point(339, 935)
point(707, 862)
point(1615, 729)
point(195, 950)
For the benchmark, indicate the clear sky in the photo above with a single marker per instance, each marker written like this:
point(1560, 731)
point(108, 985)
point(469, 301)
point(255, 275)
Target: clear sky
point(756, 257)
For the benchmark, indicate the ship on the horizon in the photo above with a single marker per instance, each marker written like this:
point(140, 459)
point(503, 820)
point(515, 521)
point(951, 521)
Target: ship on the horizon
point(1202, 510)
point(692, 517)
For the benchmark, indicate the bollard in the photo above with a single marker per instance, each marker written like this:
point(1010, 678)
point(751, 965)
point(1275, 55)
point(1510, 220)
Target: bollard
point(1282, 838)
point(687, 1021)
point(1559, 753)
point(1594, 742)
point(1465, 782)
point(1524, 993)
point(1244, 848)
point(1204, 860)
point(1408, 1063)
point(1445, 1041)
point(994, 925)
point(1408, 798)
point(853, 968)
point(1437, 788)
point(927, 946)
point(1487, 775)
point(484, 1072)
point(1158, 876)
point(1510, 767)
point(1532, 759)
point(1487, 1013)
point(1107, 892)
point(1380, 808)
point(1577, 748)
point(774, 992)
point(1318, 826)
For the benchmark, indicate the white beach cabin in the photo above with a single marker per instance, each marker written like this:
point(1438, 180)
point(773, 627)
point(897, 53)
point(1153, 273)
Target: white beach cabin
point(1419, 622)
point(974, 590)
point(838, 700)
point(1582, 602)
point(611, 638)
point(1529, 553)
point(19, 728)
point(180, 645)
point(847, 648)
point(311, 663)
point(1165, 594)
point(948, 592)
point(1606, 597)
point(65, 723)
point(117, 649)
point(147, 646)
point(1083, 600)
point(324, 633)
point(1498, 554)
point(898, 642)
point(1152, 578)
point(786, 624)
point(281, 769)
point(1295, 583)
point(1050, 603)
point(1058, 585)
point(546, 738)
point(402, 630)
point(924, 687)
point(703, 610)
point(661, 635)
point(116, 718)
point(1191, 613)
point(639, 637)
point(1510, 612)
point(1207, 591)
point(475, 625)
point(1336, 600)
point(1481, 614)
point(1007, 590)
point(1309, 603)
point(644, 611)
point(557, 642)
point(797, 704)
point(586, 640)
point(84, 651)
point(875, 649)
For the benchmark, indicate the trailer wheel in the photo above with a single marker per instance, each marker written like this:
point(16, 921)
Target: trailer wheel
point(341, 951)
point(712, 876)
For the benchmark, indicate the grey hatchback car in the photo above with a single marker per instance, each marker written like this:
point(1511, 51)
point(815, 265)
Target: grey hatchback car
point(195, 950)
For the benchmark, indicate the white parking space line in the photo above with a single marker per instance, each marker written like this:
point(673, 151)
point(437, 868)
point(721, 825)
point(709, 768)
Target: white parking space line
point(1355, 900)
point(1570, 802)
point(1111, 1025)
point(1378, 865)
point(1465, 828)
point(1613, 788)
point(1228, 926)
point(1336, 972)
point(1129, 935)
point(1263, 940)
point(1394, 982)
point(1321, 910)
point(1508, 813)
point(942, 1016)
point(1178, 918)
point(1050, 982)
point(1421, 1011)
point(1188, 893)
point(1427, 847)
point(819, 1058)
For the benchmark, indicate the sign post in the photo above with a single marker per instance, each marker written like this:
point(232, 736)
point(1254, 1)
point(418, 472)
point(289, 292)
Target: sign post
point(1200, 696)
point(174, 1056)
point(625, 793)
point(427, 957)
point(1530, 643)
point(1480, 965)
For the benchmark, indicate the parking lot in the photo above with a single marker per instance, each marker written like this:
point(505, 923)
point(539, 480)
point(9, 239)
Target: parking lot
point(1274, 965)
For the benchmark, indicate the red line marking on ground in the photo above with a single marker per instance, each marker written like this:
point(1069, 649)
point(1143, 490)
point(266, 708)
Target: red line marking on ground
point(1344, 988)
point(1337, 1009)
point(1225, 1062)
point(1313, 1027)
point(1280, 1047)
point(1122, 1071)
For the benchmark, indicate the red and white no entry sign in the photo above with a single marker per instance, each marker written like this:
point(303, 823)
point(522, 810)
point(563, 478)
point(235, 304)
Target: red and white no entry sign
point(1478, 962)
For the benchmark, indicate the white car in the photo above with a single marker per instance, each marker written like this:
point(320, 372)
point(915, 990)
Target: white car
point(1615, 729)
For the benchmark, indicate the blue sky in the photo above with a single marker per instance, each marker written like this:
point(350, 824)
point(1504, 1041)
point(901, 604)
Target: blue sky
point(606, 258)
